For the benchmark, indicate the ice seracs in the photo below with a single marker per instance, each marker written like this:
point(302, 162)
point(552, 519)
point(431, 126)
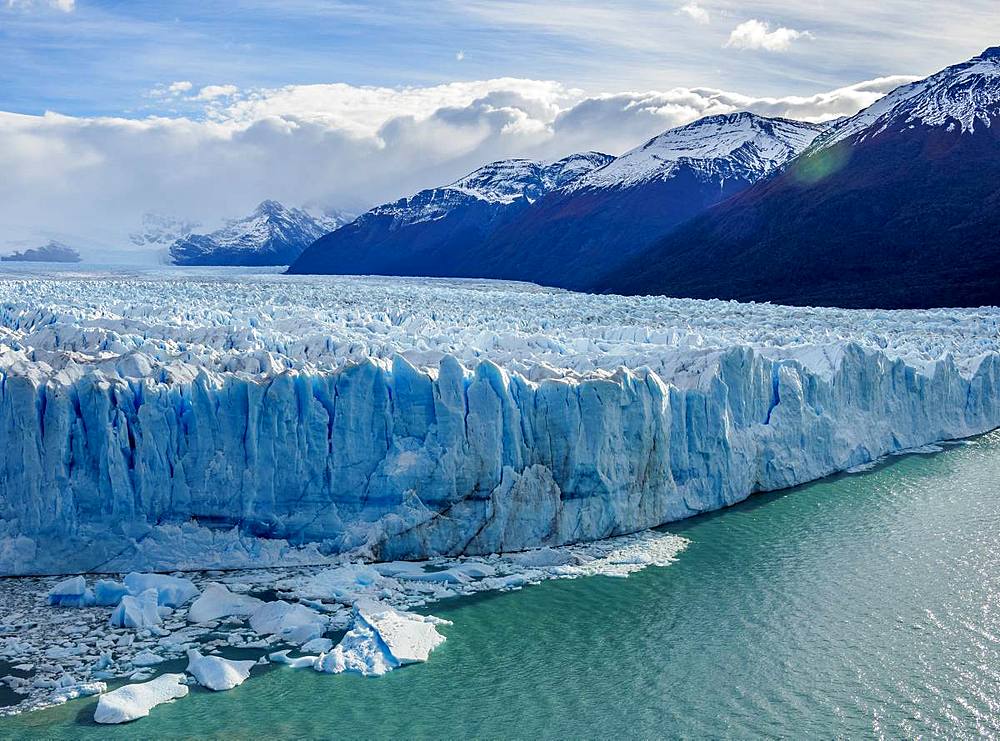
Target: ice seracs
point(134, 701)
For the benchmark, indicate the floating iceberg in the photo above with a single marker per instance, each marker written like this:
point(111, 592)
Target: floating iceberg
point(382, 639)
point(159, 422)
point(217, 673)
point(294, 623)
point(136, 700)
point(216, 602)
point(108, 592)
point(136, 611)
point(72, 592)
point(171, 591)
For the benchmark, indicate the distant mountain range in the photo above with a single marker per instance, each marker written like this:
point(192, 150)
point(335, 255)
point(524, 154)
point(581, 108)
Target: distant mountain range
point(51, 252)
point(562, 223)
point(896, 207)
point(604, 217)
point(443, 231)
point(272, 235)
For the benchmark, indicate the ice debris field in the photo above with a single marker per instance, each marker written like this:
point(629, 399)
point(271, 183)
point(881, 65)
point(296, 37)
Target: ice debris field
point(61, 639)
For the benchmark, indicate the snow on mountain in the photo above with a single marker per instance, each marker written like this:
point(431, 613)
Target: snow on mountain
point(176, 421)
point(732, 145)
point(601, 219)
point(439, 230)
point(961, 97)
point(503, 183)
point(272, 235)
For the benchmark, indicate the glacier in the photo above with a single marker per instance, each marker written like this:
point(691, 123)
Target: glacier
point(220, 419)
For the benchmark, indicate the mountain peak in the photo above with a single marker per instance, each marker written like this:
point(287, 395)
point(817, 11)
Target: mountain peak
point(269, 207)
point(272, 235)
point(751, 144)
point(961, 97)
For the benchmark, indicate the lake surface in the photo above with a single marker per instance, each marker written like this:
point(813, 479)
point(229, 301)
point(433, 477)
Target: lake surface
point(863, 605)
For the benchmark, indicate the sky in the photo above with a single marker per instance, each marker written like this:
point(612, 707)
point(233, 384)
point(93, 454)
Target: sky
point(201, 108)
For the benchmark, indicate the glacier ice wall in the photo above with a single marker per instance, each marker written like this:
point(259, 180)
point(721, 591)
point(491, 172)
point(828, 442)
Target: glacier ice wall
point(404, 459)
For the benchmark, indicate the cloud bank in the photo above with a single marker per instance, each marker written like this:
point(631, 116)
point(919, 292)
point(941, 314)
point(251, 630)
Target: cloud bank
point(328, 145)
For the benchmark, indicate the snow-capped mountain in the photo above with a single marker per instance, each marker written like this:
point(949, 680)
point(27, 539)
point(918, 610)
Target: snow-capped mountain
point(560, 223)
point(434, 231)
point(895, 207)
point(738, 145)
point(272, 235)
point(604, 217)
point(960, 97)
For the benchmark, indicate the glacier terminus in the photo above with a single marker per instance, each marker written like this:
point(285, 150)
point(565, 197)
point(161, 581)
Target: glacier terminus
point(224, 418)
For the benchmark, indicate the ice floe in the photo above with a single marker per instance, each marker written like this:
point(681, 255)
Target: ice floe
point(216, 601)
point(217, 673)
point(134, 701)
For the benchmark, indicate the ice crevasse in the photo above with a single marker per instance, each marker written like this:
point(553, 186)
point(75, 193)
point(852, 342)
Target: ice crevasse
point(112, 458)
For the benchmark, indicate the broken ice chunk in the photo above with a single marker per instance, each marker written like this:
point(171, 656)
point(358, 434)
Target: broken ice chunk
point(292, 622)
point(136, 700)
point(136, 612)
point(218, 602)
point(72, 592)
point(108, 592)
point(381, 639)
point(217, 673)
point(171, 591)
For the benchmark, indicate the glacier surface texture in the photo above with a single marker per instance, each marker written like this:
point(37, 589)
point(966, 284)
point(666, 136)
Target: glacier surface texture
point(170, 420)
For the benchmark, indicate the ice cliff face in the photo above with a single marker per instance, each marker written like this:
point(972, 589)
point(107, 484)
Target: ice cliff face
point(178, 422)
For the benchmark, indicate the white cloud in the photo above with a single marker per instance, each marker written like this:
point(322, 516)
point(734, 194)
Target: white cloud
point(181, 86)
point(459, 55)
point(695, 12)
point(754, 34)
point(66, 6)
point(211, 92)
point(336, 145)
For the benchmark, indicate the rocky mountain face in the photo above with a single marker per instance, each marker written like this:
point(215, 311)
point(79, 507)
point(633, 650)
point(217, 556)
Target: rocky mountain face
point(896, 207)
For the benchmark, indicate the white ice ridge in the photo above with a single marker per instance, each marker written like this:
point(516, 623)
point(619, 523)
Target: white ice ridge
point(221, 419)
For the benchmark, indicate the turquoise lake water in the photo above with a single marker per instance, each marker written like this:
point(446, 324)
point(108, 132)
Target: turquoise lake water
point(858, 606)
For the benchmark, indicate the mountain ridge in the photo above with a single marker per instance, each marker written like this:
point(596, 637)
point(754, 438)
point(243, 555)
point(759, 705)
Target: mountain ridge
point(896, 207)
point(272, 234)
